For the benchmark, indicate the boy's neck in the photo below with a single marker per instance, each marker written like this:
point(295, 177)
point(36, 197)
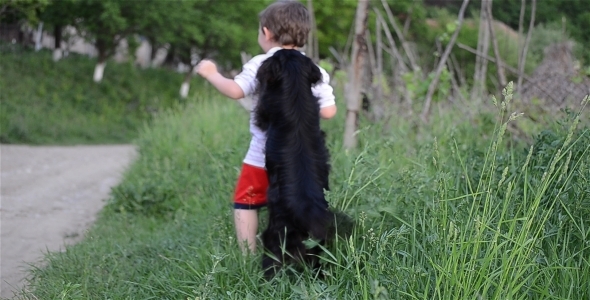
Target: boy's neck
point(282, 47)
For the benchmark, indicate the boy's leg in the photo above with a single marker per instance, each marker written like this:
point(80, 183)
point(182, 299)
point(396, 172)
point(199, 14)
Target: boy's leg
point(250, 195)
point(246, 221)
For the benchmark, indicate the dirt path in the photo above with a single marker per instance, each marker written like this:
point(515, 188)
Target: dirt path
point(49, 197)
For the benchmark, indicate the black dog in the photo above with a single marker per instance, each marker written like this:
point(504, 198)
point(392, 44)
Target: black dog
point(296, 160)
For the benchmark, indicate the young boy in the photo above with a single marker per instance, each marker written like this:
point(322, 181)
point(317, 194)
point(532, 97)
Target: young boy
point(283, 25)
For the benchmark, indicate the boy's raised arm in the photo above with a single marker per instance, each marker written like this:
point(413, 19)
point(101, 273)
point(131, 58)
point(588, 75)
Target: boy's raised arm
point(226, 86)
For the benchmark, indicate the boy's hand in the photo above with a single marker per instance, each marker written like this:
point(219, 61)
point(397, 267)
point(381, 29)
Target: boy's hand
point(228, 87)
point(328, 112)
point(205, 68)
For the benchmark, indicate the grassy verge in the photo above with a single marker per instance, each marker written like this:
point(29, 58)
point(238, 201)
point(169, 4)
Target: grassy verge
point(445, 213)
point(46, 102)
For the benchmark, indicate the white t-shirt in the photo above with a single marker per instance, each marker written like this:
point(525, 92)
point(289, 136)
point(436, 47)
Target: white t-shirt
point(247, 81)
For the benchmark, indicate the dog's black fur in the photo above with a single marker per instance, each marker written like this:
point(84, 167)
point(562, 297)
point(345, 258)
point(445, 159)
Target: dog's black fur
point(297, 160)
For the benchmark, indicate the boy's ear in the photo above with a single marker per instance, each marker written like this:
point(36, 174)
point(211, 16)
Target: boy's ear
point(267, 34)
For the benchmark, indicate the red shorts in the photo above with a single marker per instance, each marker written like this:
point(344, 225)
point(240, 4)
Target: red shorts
point(251, 188)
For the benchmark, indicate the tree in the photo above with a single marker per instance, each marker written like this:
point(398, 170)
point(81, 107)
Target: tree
point(217, 30)
point(334, 21)
point(575, 13)
point(312, 46)
point(17, 10)
point(16, 13)
point(163, 24)
point(353, 95)
point(483, 44)
point(499, 65)
point(106, 23)
point(58, 14)
point(441, 64)
point(524, 50)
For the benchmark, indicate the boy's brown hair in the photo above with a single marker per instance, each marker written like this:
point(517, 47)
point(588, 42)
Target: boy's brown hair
point(288, 21)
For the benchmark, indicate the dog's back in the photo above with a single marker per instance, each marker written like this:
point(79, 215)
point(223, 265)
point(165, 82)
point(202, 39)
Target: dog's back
point(295, 147)
point(296, 155)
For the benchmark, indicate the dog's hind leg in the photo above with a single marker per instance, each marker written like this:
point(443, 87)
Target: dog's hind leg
point(273, 256)
point(312, 258)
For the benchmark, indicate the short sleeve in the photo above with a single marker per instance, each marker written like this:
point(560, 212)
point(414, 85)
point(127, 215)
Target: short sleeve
point(247, 78)
point(324, 91)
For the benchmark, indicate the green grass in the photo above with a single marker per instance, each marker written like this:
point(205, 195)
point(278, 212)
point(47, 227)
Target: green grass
point(46, 102)
point(445, 211)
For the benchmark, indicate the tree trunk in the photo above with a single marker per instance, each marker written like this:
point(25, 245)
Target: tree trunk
point(372, 104)
point(483, 45)
point(401, 67)
point(353, 95)
point(441, 64)
point(170, 56)
point(57, 51)
point(499, 65)
point(379, 109)
point(520, 42)
point(103, 54)
point(99, 71)
point(57, 34)
point(510, 69)
point(153, 53)
point(523, 54)
point(39, 37)
point(393, 47)
point(186, 84)
point(400, 35)
point(408, 20)
point(312, 39)
point(457, 70)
